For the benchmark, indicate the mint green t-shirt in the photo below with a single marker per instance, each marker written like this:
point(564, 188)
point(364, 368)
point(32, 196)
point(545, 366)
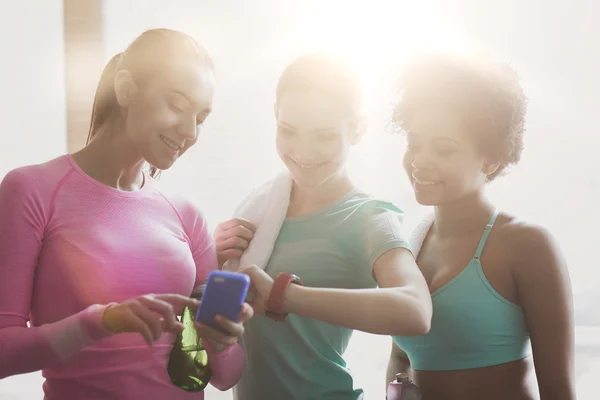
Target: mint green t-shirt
point(301, 358)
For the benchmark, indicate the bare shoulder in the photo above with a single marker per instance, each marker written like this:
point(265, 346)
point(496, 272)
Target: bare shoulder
point(533, 249)
point(524, 238)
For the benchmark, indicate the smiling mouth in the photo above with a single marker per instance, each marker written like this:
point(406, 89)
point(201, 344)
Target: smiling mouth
point(173, 145)
point(305, 166)
point(425, 183)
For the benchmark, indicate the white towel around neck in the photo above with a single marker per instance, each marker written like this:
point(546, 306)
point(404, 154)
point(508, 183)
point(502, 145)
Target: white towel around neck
point(420, 233)
point(266, 207)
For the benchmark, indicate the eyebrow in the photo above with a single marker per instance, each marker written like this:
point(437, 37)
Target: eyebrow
point(445, 139)
point(285, 125)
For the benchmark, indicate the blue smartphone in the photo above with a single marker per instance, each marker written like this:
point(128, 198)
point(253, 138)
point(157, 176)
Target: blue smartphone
point(224, 294)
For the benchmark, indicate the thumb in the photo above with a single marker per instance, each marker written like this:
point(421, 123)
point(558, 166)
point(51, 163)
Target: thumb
point(251, 271)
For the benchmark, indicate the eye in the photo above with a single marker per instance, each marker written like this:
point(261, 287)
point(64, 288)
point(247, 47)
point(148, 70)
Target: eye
point(284, 131)
point(327, 137)
point(177, 103)
point(176, 108)
point(445, 151)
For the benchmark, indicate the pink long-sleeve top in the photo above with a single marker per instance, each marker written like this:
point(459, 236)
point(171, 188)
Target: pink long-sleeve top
point(69, 246)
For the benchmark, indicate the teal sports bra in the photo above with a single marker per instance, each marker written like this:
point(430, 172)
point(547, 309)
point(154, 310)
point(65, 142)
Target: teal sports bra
point(473, 326)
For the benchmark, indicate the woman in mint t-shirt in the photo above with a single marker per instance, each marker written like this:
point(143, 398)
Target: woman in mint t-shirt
point(347, 247)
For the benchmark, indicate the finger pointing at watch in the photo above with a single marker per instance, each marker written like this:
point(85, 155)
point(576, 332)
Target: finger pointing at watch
point(269, 296)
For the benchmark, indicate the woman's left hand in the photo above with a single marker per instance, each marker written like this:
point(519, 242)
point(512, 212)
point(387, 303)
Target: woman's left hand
point(260, 287)
point(220, 341)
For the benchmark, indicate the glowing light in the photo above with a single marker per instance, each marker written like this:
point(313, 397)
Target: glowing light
point(374, 36)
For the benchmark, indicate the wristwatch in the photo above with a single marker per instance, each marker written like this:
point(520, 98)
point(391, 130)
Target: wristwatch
point(275, 307)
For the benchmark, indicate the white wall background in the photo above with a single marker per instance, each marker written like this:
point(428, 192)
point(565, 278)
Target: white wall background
point(32, 109)
point(32, 83)
point(557, 183)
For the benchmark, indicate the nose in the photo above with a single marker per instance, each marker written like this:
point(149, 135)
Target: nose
point(188, 129)
point(304, 154)
point(421, 160)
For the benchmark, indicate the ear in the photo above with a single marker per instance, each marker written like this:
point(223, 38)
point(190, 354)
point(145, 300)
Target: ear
point(360, 127)
point(489, 167)
point(125, 88)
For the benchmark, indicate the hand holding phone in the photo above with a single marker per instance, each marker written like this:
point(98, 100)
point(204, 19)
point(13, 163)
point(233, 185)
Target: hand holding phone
point(223, 295)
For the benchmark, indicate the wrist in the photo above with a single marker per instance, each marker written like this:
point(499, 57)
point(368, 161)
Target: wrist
point(276, 303)
point(94, 323)
point(292, 297)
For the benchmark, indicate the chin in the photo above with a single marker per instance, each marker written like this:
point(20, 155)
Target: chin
point(429, 199)
point(426, 200)
point(160, 163)
point(307, 179)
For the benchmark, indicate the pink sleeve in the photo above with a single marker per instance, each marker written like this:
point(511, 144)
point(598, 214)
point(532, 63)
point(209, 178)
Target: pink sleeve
point(203, 247)
point(23, 214)
point(227, 366)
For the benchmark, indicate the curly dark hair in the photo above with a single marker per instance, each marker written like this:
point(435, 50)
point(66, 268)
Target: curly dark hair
point(487, 94)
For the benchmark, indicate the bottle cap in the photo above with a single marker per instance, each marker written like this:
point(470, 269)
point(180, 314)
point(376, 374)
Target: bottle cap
point(402, 377)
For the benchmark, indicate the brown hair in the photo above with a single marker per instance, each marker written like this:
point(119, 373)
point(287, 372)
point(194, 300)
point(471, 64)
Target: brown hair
point(141, 58)
point(487, 95)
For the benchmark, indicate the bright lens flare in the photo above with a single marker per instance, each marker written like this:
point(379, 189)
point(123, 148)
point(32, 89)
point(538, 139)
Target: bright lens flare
point(376, 36)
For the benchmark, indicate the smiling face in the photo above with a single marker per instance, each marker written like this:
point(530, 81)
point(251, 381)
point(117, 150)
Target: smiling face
point(164, 118)
point(442, 161)
point(314, 135)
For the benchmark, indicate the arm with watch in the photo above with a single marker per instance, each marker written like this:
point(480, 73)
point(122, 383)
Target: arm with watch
point(400, 306)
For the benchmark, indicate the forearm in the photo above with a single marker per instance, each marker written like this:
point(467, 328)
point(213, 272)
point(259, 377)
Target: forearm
point(227, 366)
point(385, 311)
point(555, 386)
point(24, 349)
point(558, 395)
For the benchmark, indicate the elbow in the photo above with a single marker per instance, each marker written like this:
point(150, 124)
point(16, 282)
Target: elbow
point(222, 386)
point(226, 381)
point(419, 324)
point(423, 326)
point(416, 319)
point(227, 368)
point(425, 316)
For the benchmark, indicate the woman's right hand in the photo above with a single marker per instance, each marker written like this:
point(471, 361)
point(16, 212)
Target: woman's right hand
point(150, 315)
point(232, 238)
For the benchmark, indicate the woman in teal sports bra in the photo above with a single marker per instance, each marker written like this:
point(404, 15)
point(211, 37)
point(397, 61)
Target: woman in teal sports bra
point(500, 288)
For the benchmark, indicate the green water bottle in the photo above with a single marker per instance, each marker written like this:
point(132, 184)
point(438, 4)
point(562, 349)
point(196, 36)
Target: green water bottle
point(188, 365)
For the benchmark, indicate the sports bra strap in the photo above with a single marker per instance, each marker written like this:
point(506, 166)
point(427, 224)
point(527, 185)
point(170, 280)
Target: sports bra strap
point(486, 233)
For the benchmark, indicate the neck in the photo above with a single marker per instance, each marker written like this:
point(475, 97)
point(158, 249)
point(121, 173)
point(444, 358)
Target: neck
point(463, 216)
point(305, 200)
point(111, 159)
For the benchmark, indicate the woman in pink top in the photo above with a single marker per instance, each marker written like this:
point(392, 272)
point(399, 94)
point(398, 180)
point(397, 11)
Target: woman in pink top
point(86, 239)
